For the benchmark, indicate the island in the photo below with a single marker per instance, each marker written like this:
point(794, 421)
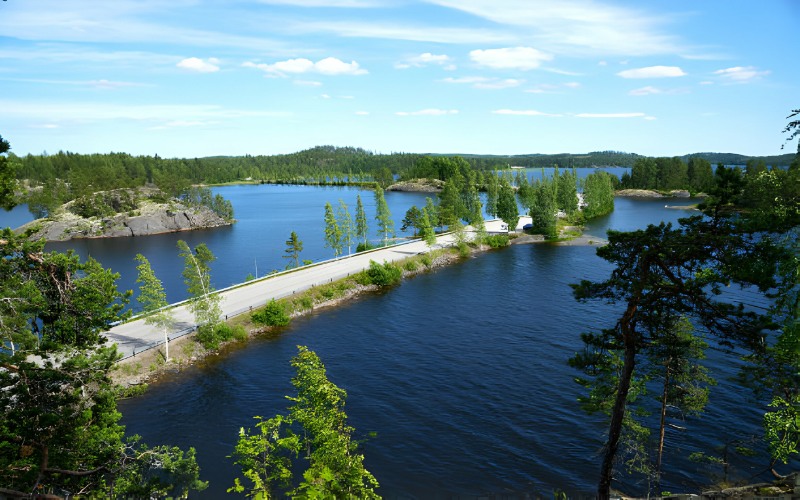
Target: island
point(124, 212)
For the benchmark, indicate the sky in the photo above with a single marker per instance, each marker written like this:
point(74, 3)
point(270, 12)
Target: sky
point(194, 78)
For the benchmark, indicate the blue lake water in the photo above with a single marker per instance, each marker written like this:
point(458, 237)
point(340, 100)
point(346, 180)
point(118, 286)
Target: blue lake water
point(461, 373)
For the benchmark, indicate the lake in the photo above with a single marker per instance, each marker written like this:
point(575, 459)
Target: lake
point(461, 373)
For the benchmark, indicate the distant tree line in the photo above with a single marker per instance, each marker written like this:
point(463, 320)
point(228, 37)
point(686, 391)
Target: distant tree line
point(695, 175)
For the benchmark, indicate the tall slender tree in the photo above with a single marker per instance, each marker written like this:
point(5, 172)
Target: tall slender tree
point(293, 248)
point(203, 302)
point(153, 300)
point(333, 233)
point(361, 220)
point(345, 222)
point(383, 216)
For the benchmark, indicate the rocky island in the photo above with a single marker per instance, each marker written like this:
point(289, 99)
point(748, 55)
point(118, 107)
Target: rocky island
point(127, 212)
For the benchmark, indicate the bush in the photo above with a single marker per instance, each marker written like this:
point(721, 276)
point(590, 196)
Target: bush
point(364, 246)
point(410, 265)
point(211, 336)
point(426, 260)
point(496, 240)
point(385, 274)
point(463, 249)
point(273, 314)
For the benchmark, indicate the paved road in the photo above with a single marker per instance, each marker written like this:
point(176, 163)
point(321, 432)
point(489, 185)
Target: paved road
point(136, 336)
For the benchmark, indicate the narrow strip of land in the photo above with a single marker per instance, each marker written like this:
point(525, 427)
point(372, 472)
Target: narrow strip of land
point(135, 335)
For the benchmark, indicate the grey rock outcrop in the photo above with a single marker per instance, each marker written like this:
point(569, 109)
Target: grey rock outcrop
point(149, 219)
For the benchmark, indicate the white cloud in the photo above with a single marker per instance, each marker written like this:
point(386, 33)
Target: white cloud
point(549, 88)
point(327, 66)
point(325, 96)
point(613, 115)
point(578, 26)
point(426, 59)
point(522, 58)
point(653, 72)
point(706, 82)
point(648, 90)
point(522, 112)
point(741, 74)
point(307, 83)
point(428, 112)
point(386, 31)
point(482, 82)
point(196, 64)
point(362, 113)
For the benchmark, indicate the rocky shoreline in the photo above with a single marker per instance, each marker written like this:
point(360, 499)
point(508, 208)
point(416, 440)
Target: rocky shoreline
point(148, 218)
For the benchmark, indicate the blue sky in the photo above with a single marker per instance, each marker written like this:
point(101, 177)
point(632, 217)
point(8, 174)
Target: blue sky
point(193, 78)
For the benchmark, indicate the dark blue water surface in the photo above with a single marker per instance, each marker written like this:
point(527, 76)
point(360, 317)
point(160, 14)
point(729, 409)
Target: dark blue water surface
point(461, 372)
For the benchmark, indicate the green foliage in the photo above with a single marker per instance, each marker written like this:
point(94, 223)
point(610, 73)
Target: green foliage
point(412, 219)
point(543, 207)
point(211, 337)
point(8, 181)
point(265, 457)
point(426, 231)
point(364, 246)
point(162, 471)
point(333, 233)
point(59, 427)
point(346, 226)
point(782, 428)
point(496, 240)
point(293, 248)
point(385, 274)
point(335, 468)
point(361, 222)
point(507, 208)
point(203, 302)
point(201, 197)
point(598, 195)
point(153, 299)
point(273, 314)
point(662, 273)
point(383, 216)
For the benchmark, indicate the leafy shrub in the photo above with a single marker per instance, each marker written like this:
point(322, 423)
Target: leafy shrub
point(426, 260)
point(410, 265)
point(385, 274)
point(211, 336)
point(273, 314)
point(496, 240)
point(463, 249)
point(364, 246)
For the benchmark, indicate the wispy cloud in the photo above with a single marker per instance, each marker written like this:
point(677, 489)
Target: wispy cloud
point(330, 66)
point(549, 88)
point(428, 112)
point(614, 115)
point(521, 58)
point(482, 82)
point(72, 111)
point(198, 65)
point(362, 113)
point(307, 83)
point(96, 84)
point(740, 74)
point(653, 72)
point(359, 4)
point(523, 112)
point(578, 26)
point(412, 33)
point(426, 59)
point(648, 90)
